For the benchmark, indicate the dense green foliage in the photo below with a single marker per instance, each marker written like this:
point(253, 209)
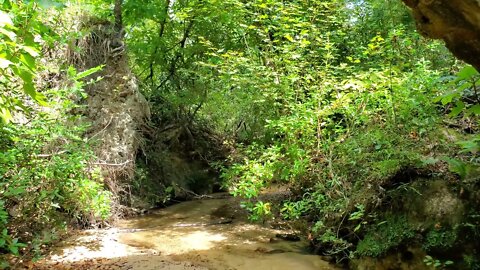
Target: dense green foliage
point(340, 100)
point(19, 24)
point(337, 99)
point(45, 170)
point(47, 180)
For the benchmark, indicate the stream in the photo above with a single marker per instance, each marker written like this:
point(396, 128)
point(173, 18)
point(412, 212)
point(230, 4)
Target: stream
point(200, 234)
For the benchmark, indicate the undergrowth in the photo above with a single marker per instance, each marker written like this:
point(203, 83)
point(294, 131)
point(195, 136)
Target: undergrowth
point(48, 179)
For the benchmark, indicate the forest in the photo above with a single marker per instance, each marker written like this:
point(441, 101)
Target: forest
point(113, 109)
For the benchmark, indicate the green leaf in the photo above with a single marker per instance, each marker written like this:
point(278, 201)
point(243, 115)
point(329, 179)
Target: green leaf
point(31, 50)
point(29, 89)
point(25, 74)
point(29, 86)
point(11, 35)
point(464, 86)
point(28, 61)
point(448, 263)
point(13, 249)
point(466, 73)
point(5, 115)
point(475, 109)
point(41, 99)
point(4, 265)
point(471, 146)
point(15, 191)
point(88, 72)
point(429, 161)
point(289, 37)
point(447, 98)
point(50, 4)
point(5, 4)
point(71, 72)
point(457, 109)
point(458, 167)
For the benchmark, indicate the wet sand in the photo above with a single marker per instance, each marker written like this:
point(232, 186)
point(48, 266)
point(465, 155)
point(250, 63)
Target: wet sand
point(202, 234)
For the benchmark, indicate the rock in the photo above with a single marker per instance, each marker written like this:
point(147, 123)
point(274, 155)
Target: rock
point(269, 251)
point(288, 237)
point(436, 204)
point(220, 222)
point(457, 22)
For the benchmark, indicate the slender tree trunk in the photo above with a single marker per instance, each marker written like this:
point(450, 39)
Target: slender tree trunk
point(117, 11)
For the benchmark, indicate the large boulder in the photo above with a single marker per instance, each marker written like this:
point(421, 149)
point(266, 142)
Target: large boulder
point(457, 22)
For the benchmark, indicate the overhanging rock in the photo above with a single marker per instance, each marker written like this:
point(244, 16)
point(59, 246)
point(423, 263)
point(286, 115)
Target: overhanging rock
point(457, 22)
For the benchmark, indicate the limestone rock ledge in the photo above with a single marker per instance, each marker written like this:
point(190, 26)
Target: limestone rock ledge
point(457, 22)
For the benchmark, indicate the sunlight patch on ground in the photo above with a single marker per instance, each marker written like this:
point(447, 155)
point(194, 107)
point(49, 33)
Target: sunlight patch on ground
point(95, 244)
point(175, 241)
point(201, 240)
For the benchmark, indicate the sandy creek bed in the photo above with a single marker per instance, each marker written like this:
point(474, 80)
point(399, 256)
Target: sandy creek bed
point(202, 234)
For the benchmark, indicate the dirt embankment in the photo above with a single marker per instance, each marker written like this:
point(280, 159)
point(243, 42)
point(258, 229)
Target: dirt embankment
point(115, 107)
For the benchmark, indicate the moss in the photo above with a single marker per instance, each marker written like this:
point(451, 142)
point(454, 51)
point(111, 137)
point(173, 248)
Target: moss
point(385, 236)
point(387, 168)
point(440, 239)
point(432, 201)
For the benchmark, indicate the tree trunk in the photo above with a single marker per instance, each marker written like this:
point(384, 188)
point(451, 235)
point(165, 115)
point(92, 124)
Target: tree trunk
point(117, 11)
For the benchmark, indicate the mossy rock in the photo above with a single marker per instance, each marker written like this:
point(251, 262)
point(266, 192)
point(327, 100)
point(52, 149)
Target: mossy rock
point(430, 202)
point(385, 236)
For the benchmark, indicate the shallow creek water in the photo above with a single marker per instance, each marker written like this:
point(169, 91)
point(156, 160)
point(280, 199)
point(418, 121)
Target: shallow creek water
point(201, 234)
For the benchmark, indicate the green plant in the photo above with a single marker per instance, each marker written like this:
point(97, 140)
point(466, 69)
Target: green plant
point(463, 101)
point(21, 31)
point(440, 239)
point(358, 215)
point(471, 261)
point(333, 244)
point(10, 244)
point(464, 96)
point(334, 99)
point(386, 235)
point(435, 263)
point(294, 210)
point(260, 211)
point(47, 176)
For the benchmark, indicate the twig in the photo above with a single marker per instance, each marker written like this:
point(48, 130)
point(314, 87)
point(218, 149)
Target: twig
point(52, 154)
point(475, 90)
point(112, 164)
point(103, 129)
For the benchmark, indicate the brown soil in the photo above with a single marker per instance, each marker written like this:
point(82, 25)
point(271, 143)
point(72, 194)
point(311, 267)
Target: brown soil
point(202, 234)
